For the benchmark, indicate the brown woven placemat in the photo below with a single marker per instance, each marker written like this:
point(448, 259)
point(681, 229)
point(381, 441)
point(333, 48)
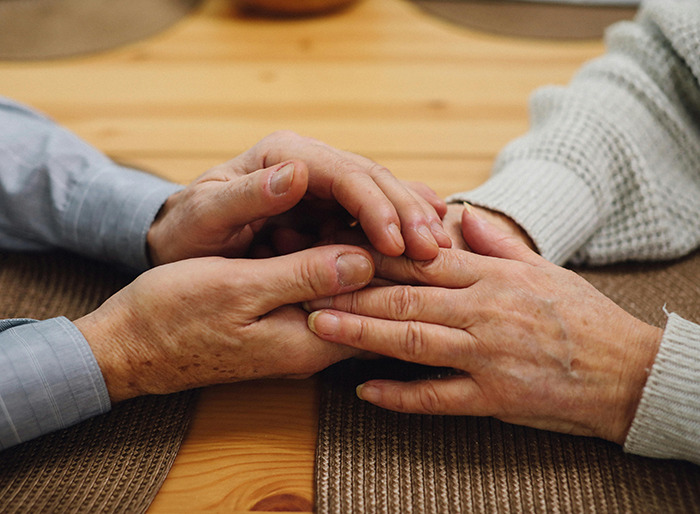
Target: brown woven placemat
point(373, 460)
point(48, 29)
point(111, 463)
point(539, 19)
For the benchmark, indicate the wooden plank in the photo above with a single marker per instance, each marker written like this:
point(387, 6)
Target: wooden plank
point(251, 447)
point(431, 101)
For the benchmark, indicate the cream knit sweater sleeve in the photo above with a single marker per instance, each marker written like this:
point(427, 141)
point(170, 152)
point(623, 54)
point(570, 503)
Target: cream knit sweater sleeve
point(610, 171)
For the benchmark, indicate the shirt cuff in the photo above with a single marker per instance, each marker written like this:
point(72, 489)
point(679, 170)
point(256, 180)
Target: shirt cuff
point(109, 215)
point(548, 201)
point(49, 379)
point(667, 421)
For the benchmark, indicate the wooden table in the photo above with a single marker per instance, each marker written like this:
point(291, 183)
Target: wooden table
point(432, 101)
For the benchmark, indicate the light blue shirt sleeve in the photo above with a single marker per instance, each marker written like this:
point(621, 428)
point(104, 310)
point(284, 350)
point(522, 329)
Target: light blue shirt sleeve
point(56, 191)
point(49, 379)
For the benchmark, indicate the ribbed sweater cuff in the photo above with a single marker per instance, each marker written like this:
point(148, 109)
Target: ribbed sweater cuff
point(547, 200)
point(667, 422)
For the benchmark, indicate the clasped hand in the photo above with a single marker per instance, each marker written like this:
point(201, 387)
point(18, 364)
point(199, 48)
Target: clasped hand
point(202, 320)
point(221, 212)
point(532, 343)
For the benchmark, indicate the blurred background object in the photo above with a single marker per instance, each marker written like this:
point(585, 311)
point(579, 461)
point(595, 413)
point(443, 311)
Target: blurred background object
point(559, 19)
point(294, 7)
point(45, 29)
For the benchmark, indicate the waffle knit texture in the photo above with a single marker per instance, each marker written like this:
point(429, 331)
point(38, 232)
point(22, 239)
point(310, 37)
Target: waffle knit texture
point(610, 172)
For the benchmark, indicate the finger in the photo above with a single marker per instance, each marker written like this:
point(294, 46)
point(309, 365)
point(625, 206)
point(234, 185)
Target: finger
point(415, 224)
point(386, 212)
point(431, 213)
point(486, 239)
point(411, 341)
point(427, 193)
point(359, 194)
point(304, 352)
point(436, 305)
point(365, 201)
point(303, 276)
point(451, 268)
point(263, 193)
point(457, 395)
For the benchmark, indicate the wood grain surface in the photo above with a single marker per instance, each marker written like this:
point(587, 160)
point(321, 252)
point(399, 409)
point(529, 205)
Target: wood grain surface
point(432, 101)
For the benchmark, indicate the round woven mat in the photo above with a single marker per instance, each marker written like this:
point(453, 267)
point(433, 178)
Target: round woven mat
point(44, 29)
point(111, 463)
point(542, 19)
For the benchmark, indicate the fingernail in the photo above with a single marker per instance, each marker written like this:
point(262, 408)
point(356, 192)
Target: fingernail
point(395, 234)
point(367, 392)
point(282, 179)
point(471, 212)
point(353, 269)
point(323, 323)
point(426, 234)
point(314, 305)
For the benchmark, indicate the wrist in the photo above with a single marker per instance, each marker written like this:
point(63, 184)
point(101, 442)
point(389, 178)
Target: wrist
point(118, 370)
point(156, 239)
point(643, 342)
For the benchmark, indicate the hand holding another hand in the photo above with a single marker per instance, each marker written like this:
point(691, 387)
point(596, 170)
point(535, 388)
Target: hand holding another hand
point(536, 344)
point(215, 320)
point(222, 211)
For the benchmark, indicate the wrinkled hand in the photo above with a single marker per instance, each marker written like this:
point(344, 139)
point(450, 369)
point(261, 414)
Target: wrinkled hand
point(536, 343)
point(452, 223)
point(221, 211)
point(213, 320)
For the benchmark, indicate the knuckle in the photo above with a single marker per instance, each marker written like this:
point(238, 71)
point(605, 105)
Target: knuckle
point(361, 331)
point(429, 399)
point(310, 274)
point(352, 303)
point(402, 302)
point(347, 170)
point(343, 173)
point(271, 148)
point(245, 189)
point(444, 265)
point(399, 402)
point(429, 271)
point(376, 170)
point(413, 341)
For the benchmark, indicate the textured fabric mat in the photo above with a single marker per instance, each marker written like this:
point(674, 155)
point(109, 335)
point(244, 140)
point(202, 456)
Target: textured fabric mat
point(47, 29)
point(572, 20)
point(111, 463)
point(372, 460)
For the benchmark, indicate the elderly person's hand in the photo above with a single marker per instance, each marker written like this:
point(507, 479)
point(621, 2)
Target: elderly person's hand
point(452, 223)
point(221, 211)
point(213, 320)
point(536, 344)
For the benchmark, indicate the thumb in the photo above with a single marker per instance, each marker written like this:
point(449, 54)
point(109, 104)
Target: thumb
point(309, 275)
point(262, 193)
point(485, 238)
